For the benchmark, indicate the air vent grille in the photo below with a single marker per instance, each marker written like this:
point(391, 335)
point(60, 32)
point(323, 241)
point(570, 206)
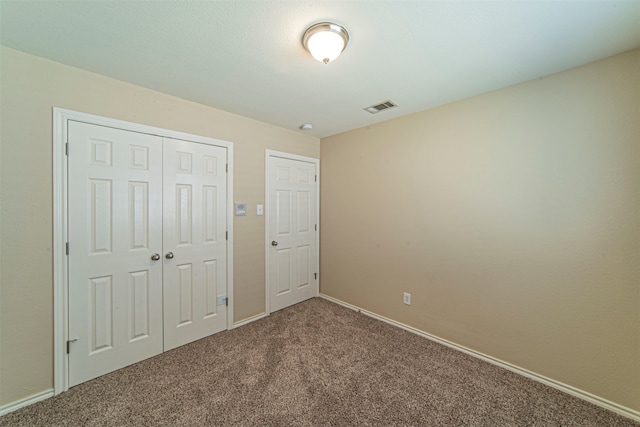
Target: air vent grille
point(381, 107)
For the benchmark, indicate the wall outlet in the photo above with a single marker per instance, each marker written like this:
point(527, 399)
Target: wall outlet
point(407, 298)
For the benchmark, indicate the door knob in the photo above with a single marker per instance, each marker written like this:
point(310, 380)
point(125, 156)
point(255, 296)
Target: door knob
point(155, 257)
point(274, 243)
point(169, 255)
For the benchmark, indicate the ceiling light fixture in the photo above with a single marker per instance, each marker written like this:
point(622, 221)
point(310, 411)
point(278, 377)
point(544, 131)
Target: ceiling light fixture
point(325, 41)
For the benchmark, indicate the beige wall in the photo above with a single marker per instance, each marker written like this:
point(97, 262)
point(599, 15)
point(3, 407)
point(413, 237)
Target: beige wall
point(513, 219)
point(30, 88)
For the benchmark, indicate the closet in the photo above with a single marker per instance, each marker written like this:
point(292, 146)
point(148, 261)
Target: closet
point(147, 245)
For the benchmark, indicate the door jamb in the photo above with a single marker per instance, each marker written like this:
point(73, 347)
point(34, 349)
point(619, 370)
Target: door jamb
point(268, 155)
point(60, 224)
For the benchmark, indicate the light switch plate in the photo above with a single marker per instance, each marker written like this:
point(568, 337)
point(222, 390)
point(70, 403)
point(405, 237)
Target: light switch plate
point(260, 210)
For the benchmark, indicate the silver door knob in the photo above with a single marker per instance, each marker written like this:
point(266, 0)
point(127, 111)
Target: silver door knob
point(274, 243)
point(169, 255)
point(155, 257)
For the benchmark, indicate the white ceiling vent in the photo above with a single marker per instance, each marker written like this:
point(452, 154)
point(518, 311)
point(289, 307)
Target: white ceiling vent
point(382, 106)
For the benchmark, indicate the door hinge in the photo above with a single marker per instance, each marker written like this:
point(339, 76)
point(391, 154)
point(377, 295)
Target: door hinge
point(315, 276)
point(66, 148)
point(316, 178)
point(316, 227)
point(66, 248)
point(226, 235)
point(69, 342)
point(226, 167)
point(226, 302)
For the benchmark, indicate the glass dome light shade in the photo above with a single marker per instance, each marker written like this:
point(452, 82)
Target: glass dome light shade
point(325, 41)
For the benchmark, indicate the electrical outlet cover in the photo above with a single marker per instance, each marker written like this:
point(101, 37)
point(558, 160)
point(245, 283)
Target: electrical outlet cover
point(407, 298)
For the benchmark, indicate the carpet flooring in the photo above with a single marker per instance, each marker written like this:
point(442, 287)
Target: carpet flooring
point(313, 364)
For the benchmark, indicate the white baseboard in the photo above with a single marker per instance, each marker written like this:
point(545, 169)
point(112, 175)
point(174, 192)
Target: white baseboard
point(249, 320)
point(581, 394)
point(25, 402)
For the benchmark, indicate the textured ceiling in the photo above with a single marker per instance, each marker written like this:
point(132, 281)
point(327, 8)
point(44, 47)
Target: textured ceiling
point(246, 57)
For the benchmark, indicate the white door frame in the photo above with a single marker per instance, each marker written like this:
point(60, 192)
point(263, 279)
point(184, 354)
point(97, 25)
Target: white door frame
point(268, 155)
point(60, 225)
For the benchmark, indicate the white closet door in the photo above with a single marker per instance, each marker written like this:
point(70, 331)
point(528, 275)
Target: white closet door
point(115, 227)
point(292, 254)
point(195, 250)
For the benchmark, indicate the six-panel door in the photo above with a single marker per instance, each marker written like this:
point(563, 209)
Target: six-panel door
point(135, 217)
point(292, 231)
point(195, 249)
point(115, 288)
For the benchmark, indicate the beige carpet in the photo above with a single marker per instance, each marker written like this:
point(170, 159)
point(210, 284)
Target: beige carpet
point(315, 363)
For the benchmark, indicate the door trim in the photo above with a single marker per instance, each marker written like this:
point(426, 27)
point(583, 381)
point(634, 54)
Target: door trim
point(269, 154)
point(60, 224)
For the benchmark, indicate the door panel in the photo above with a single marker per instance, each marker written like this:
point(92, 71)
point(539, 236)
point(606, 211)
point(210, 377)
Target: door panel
point(292, 225)
point(139, 288)
point(211, 287)
point(304, 259)
point(115, 289)
point(283, 271)
point(194, 232)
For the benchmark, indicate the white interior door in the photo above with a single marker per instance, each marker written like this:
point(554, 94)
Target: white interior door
point(115, 288)
point(195, 247)
point(292, 236)
point(147, 246)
